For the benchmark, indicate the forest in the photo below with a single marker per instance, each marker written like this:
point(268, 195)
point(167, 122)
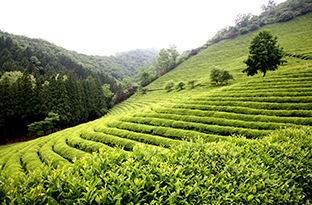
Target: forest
point(121, 65)
point(37, 78)
point(25, 99)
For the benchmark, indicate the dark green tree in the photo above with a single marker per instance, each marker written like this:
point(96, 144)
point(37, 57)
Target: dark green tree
point(74, 97)
point(215, 75)
point(126, 83)
point(63, 104)
point(225, 76)
point(101, 105)
point(7, 109)
point(191, 83)
point(166, 58)
point(145, 76)
point(169, 85)
point(180, 85)
point(24, 96)
point(264, 54)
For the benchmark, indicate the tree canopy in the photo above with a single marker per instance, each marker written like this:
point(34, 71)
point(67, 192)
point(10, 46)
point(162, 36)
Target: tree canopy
point(264, 54)
point(166, 58)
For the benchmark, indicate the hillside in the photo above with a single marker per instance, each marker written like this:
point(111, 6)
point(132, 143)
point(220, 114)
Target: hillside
point(230, 169)
point(84, 93)
point(122, 65)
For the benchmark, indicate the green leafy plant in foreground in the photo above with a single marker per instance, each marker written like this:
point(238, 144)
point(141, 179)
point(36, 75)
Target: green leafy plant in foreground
point(272, 170)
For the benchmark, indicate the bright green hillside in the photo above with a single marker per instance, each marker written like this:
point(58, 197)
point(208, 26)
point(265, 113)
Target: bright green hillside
point(294, 36)
point(250, 106)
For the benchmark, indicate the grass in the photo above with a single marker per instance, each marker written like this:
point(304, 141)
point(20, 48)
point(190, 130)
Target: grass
point(250, 106)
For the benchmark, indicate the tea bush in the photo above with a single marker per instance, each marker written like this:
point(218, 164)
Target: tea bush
point(246, 110)
point(139, 137)
point(273, 170)
point(48, 155)
point(86, 145)
point(109, 140)
point(256, 105)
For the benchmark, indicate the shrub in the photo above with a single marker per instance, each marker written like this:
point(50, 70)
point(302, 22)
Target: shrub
point(132, 90)
point(144, 90)
point(194, 52)
point(261, 23)
point(161, 73)
point(305, 10)
point(180, 85)
point(220, 76)
point(169, 85)
point(286, 16)
point(215, 74)
point(253, 27)
point(216, 40)
point(243, 30)
point(231, 35)
point(225, 76)
point(121, 97)
point(191, 83)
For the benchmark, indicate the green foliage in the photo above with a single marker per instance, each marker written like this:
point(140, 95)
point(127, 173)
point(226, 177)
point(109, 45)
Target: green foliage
point(143, 90)
point(183, 174)
point(180, 85)
point(145, 76)
point(191, 83)
point(220, 76)
point(225, 76)
point(264, 54)
point(169, 85)
point(286, 16)
point(41, 127)
point(243, 30)
point(127, 83)
point(39, 52)
point(270, 5)
point(274, 169)
point(215, 75)
point(166, 58)
point(244, 20)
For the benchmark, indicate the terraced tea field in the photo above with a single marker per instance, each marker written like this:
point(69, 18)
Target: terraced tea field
point(248, 106)
point(252, 107)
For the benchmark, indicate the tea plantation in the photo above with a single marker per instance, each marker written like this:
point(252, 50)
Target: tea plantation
point(246, 142)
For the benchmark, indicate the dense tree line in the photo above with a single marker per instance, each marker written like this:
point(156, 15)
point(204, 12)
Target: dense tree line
point(15, 56)
point(39, 80)
point(26, 100)
point(121, 65)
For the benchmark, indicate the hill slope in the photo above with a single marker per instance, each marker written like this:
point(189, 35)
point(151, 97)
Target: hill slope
point(122, 65)
point(249, 106)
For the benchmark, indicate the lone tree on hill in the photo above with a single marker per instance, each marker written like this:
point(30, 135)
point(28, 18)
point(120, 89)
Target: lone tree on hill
point(264, 54)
